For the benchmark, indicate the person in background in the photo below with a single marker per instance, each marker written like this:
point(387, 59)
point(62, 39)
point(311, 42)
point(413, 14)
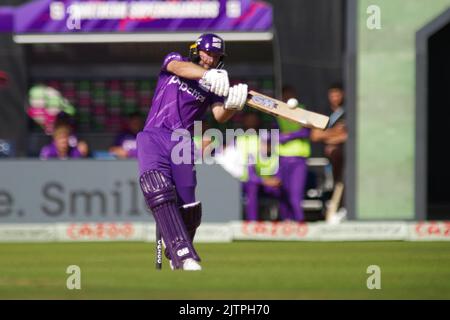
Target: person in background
point(294, 149)
point(258, 166)
point(261, 175)
point(3, 79)
point(336, 135)
point(74, 141)
point(334, 139)
point(125, 142)
point(6, 147)
point(60, 147)
point(82, 147)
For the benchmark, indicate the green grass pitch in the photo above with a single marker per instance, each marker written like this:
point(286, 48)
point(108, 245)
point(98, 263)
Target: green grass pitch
point(238, 270)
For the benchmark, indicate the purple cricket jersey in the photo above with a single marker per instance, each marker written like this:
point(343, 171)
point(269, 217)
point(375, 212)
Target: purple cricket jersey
point(49, 152)
point(178, 102)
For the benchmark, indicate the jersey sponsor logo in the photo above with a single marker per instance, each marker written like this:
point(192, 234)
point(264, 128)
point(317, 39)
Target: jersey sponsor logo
point(182, 252)
point(183, 86)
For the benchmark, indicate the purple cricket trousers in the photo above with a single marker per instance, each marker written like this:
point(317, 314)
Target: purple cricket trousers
point(154, 153)
point(293, 172)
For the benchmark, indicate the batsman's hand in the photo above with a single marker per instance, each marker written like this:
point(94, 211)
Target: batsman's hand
point(237, 97)
point(218, 81)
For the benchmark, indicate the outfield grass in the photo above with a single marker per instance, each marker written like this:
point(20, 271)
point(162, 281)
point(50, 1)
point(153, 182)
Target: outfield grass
point(238, 270)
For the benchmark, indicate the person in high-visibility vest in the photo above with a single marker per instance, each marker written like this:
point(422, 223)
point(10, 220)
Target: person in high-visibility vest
point(294, 149)
point(260, 174)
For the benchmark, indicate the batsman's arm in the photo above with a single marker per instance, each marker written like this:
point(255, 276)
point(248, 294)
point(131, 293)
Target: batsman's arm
point(185, 69)
point(221, 114)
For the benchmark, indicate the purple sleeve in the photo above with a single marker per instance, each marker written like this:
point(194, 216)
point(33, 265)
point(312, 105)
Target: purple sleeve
point(300, 134)
point(252, 175)
point(74, 153)
point(132, 153)
point(170, 57)
point(45, 152)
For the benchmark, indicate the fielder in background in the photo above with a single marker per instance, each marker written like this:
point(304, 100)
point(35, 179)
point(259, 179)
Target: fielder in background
point(251, 147)
point(125, 142)
point(294, 149)
point(334, 139)
point(186, 88)
point(60, 148)
point(335, 136)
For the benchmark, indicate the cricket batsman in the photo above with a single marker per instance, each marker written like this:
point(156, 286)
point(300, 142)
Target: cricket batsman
point(186, 88)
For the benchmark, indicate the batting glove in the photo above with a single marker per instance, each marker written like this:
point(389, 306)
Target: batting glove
point(218, 81)
point(237, 97)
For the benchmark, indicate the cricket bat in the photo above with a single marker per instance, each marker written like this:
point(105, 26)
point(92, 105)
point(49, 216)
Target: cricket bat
point(278, 108)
